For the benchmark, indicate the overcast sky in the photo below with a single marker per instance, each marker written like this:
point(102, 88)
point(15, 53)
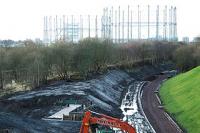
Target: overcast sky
point(22, 19)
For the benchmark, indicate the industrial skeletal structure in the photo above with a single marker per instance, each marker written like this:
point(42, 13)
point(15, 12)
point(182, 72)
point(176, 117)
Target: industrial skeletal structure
point(119, 24)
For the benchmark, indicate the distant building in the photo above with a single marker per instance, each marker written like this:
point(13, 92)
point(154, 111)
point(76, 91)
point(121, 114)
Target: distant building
point(7, 43)
point(186, 40)
point(38, 41)
point(196, 39)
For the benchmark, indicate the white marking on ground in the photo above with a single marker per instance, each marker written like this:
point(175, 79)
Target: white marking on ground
point(65, 111)
point(166, 114)
point(141, 109)
point(158, 99)
point(130, 109)
point(173, 122)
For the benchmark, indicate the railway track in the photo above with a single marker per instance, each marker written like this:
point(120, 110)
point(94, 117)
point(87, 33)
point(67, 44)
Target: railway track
point(151, 104)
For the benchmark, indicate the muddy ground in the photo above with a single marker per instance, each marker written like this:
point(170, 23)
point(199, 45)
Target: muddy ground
point(23, 112)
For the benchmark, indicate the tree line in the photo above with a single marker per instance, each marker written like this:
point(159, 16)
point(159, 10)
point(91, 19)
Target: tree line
point(187, 57)
point(62, 60)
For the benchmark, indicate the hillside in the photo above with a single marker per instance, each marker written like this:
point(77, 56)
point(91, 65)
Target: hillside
point(181, 98)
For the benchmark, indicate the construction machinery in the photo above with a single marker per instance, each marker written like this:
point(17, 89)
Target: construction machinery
point(104, 120)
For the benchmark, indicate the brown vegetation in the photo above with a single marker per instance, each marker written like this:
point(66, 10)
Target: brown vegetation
point(37, 63)
point(187, 56)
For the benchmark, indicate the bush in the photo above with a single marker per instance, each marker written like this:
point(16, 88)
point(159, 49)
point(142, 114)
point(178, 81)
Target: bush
point(187, 57)
point(87, 56)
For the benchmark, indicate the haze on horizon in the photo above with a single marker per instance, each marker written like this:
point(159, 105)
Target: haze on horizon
point(23, 19)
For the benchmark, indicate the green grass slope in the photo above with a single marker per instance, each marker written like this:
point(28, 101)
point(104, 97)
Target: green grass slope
point(181, 98)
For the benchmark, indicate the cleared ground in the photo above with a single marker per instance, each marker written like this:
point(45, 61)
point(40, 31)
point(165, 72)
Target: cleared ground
point(27, 111)
point(181, 97)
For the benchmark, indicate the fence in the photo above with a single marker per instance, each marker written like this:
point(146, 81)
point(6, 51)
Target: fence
point(119, 24)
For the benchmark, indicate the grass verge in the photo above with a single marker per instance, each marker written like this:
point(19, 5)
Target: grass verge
point(181, 98)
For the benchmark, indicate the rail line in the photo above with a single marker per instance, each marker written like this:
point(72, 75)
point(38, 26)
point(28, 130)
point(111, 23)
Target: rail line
point(152, 109)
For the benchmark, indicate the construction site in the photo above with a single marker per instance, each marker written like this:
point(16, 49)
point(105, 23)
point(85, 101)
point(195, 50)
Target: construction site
point(97, 74)
point(119, 24)
point(60, 107)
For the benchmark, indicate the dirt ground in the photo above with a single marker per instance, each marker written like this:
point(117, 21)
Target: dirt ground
point(154, 113)
point(23, 112)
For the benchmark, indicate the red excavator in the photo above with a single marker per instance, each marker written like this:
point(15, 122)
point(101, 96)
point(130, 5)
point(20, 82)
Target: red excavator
point(101, 119)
